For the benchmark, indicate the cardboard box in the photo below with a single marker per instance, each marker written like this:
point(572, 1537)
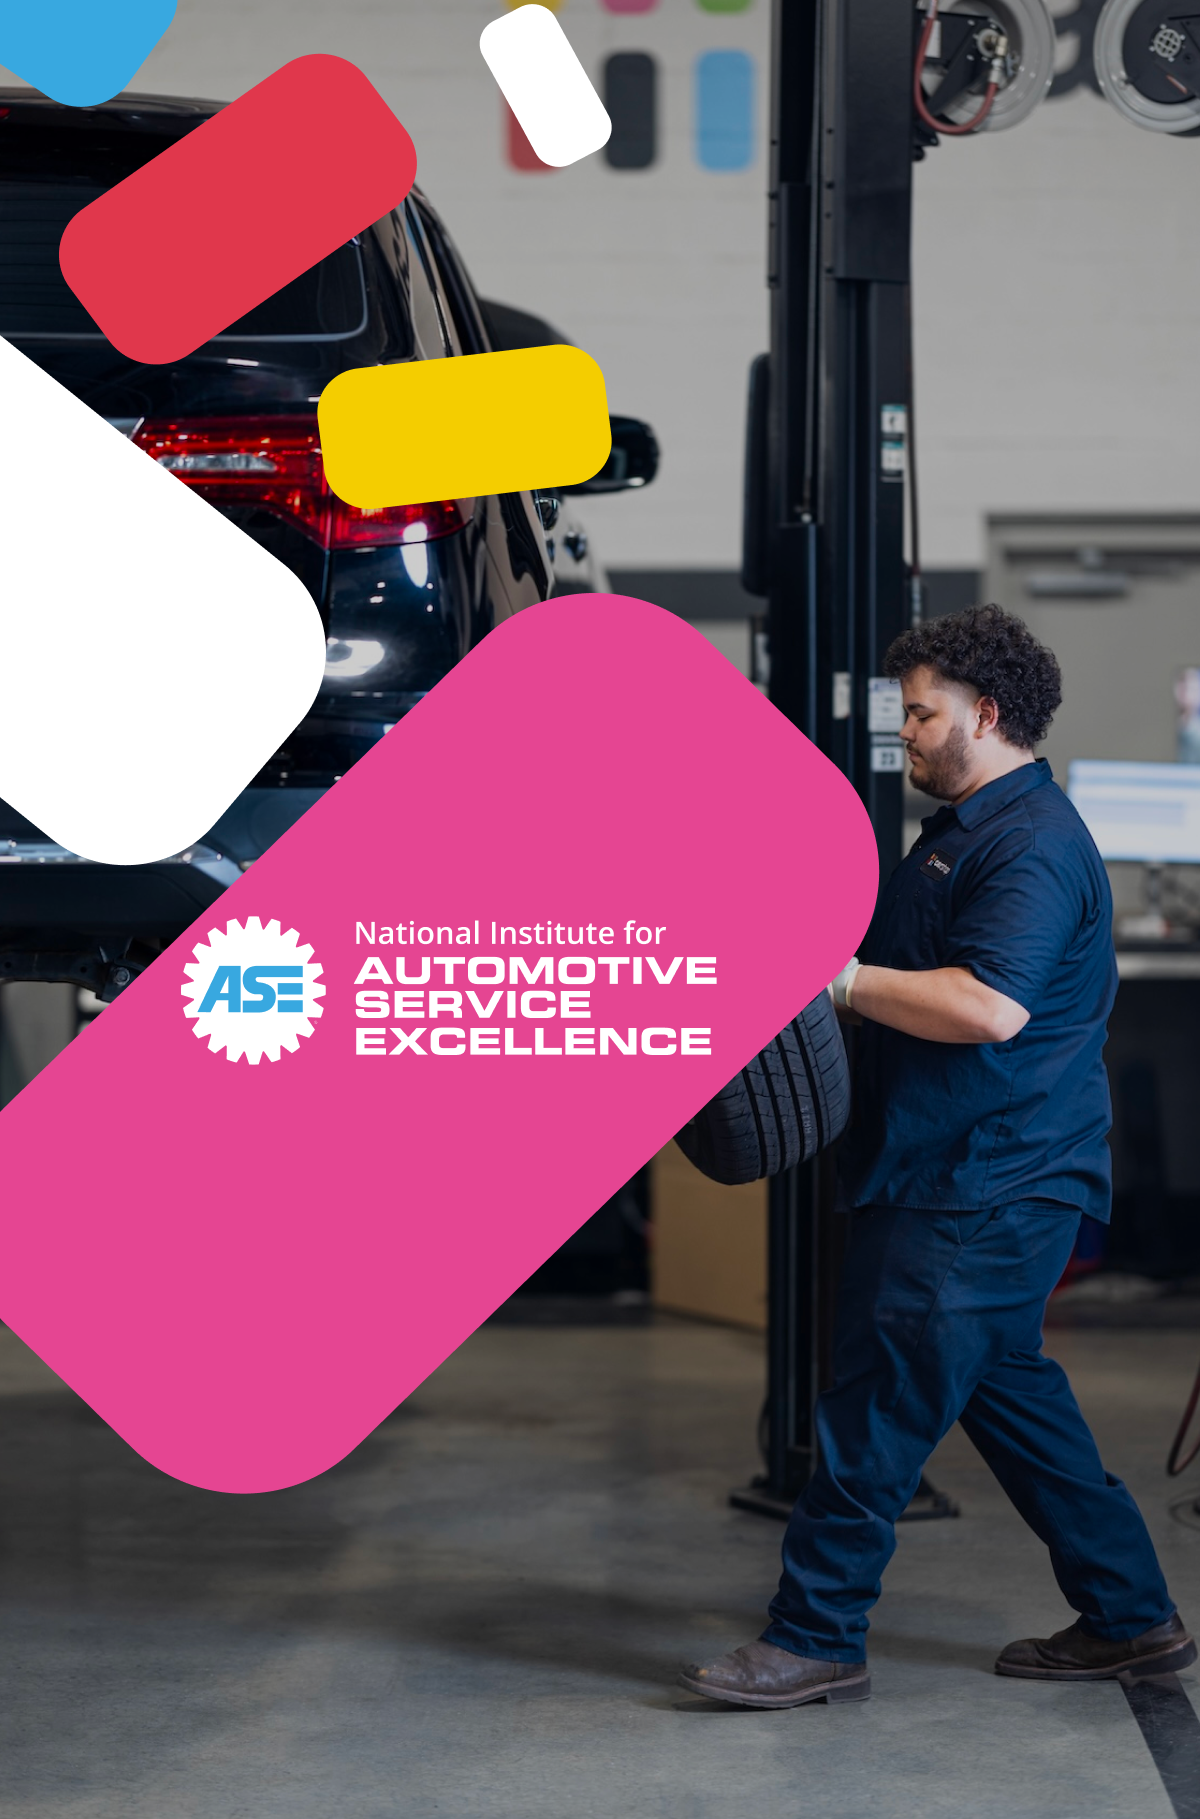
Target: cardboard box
point(708, 1244)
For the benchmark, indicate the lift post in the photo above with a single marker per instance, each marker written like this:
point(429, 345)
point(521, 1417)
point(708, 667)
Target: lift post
point(826, 477)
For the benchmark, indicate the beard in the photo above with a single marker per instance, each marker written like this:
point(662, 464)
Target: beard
point(946, 771)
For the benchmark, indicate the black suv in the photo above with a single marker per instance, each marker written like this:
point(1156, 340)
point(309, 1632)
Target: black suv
point(403, 593)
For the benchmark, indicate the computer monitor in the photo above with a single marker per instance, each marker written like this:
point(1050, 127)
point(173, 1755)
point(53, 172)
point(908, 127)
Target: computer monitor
point(1149, 813)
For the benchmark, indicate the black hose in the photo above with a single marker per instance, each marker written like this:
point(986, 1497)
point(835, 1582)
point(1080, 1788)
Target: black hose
point(1175, 1465)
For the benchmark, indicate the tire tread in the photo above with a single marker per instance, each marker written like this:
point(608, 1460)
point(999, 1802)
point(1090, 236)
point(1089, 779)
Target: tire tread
point(788, 1103)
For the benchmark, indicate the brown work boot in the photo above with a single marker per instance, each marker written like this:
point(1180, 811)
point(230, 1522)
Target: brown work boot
point(1074, 1655)
point(761, 1674)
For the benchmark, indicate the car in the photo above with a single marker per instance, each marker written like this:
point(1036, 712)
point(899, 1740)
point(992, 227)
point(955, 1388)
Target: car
point(403, 592)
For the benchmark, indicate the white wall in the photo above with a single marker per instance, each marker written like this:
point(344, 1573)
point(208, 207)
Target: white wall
point(1056, 273)
point(1057, 270)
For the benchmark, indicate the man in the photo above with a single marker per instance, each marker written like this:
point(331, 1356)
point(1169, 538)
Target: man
point(982, 1105)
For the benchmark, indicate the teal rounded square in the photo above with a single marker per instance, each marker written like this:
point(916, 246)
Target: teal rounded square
point(725, 111)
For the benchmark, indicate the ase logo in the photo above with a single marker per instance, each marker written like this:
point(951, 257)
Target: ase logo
point(253, 991)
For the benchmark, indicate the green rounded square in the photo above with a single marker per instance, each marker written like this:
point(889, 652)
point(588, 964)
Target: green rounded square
point(724, 6)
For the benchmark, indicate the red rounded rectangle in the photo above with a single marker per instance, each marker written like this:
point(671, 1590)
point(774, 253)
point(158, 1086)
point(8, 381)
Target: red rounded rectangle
point(213, 226)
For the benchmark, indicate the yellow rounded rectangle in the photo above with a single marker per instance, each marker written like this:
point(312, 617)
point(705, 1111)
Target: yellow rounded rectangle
point(456, 428)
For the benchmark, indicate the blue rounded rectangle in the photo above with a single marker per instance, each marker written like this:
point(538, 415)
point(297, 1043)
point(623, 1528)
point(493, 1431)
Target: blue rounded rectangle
point(81, 52)
point(725, 110)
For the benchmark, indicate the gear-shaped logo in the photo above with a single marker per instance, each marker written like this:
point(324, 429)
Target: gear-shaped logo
point(253, 990)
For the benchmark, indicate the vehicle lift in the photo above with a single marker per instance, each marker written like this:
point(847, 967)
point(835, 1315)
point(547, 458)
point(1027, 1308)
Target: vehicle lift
point(828, 472)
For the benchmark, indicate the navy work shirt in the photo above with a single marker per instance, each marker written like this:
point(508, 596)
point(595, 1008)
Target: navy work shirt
point(1009, 885)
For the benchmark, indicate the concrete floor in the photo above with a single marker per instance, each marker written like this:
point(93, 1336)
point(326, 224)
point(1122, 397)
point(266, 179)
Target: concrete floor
point(479, 1615)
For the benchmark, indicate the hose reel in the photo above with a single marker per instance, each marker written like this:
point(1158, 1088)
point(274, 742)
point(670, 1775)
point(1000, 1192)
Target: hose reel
point(982, 65)
point(1147, 57)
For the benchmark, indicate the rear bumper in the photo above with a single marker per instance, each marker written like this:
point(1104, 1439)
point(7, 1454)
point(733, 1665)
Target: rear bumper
point(56, 907)
point(58, 911)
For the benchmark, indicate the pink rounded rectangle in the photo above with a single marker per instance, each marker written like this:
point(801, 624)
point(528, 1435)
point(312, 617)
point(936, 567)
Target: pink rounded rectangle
point(243, 1324)
point(629, 6)
point(213, 226)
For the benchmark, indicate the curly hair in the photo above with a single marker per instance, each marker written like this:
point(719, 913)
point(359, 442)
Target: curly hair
point(995, 652)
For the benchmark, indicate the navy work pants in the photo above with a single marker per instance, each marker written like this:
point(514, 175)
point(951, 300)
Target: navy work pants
point(940, 1320)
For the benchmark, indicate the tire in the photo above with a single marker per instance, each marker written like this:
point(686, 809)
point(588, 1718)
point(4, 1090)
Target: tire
point(787, 1104)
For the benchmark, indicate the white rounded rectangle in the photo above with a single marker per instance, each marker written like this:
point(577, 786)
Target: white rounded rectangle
point(154, 655)
point(545, 84)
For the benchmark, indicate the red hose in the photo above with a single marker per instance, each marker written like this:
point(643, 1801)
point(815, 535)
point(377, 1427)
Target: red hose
point(935, 125)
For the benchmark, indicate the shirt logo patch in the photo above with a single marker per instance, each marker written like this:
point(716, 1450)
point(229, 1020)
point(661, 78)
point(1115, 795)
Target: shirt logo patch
point(937, 866)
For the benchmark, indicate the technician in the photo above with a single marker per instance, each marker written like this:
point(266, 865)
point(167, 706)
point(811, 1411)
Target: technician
point(982, 1105)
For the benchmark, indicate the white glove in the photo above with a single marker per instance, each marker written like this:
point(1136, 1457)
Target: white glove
point(840, 988)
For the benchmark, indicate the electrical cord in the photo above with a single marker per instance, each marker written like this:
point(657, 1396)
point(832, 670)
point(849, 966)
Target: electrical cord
point(916, 585)
point(1176, 1465)
point(930, 120)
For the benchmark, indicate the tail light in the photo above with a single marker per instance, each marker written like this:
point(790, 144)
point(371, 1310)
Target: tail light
point(275, 463)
